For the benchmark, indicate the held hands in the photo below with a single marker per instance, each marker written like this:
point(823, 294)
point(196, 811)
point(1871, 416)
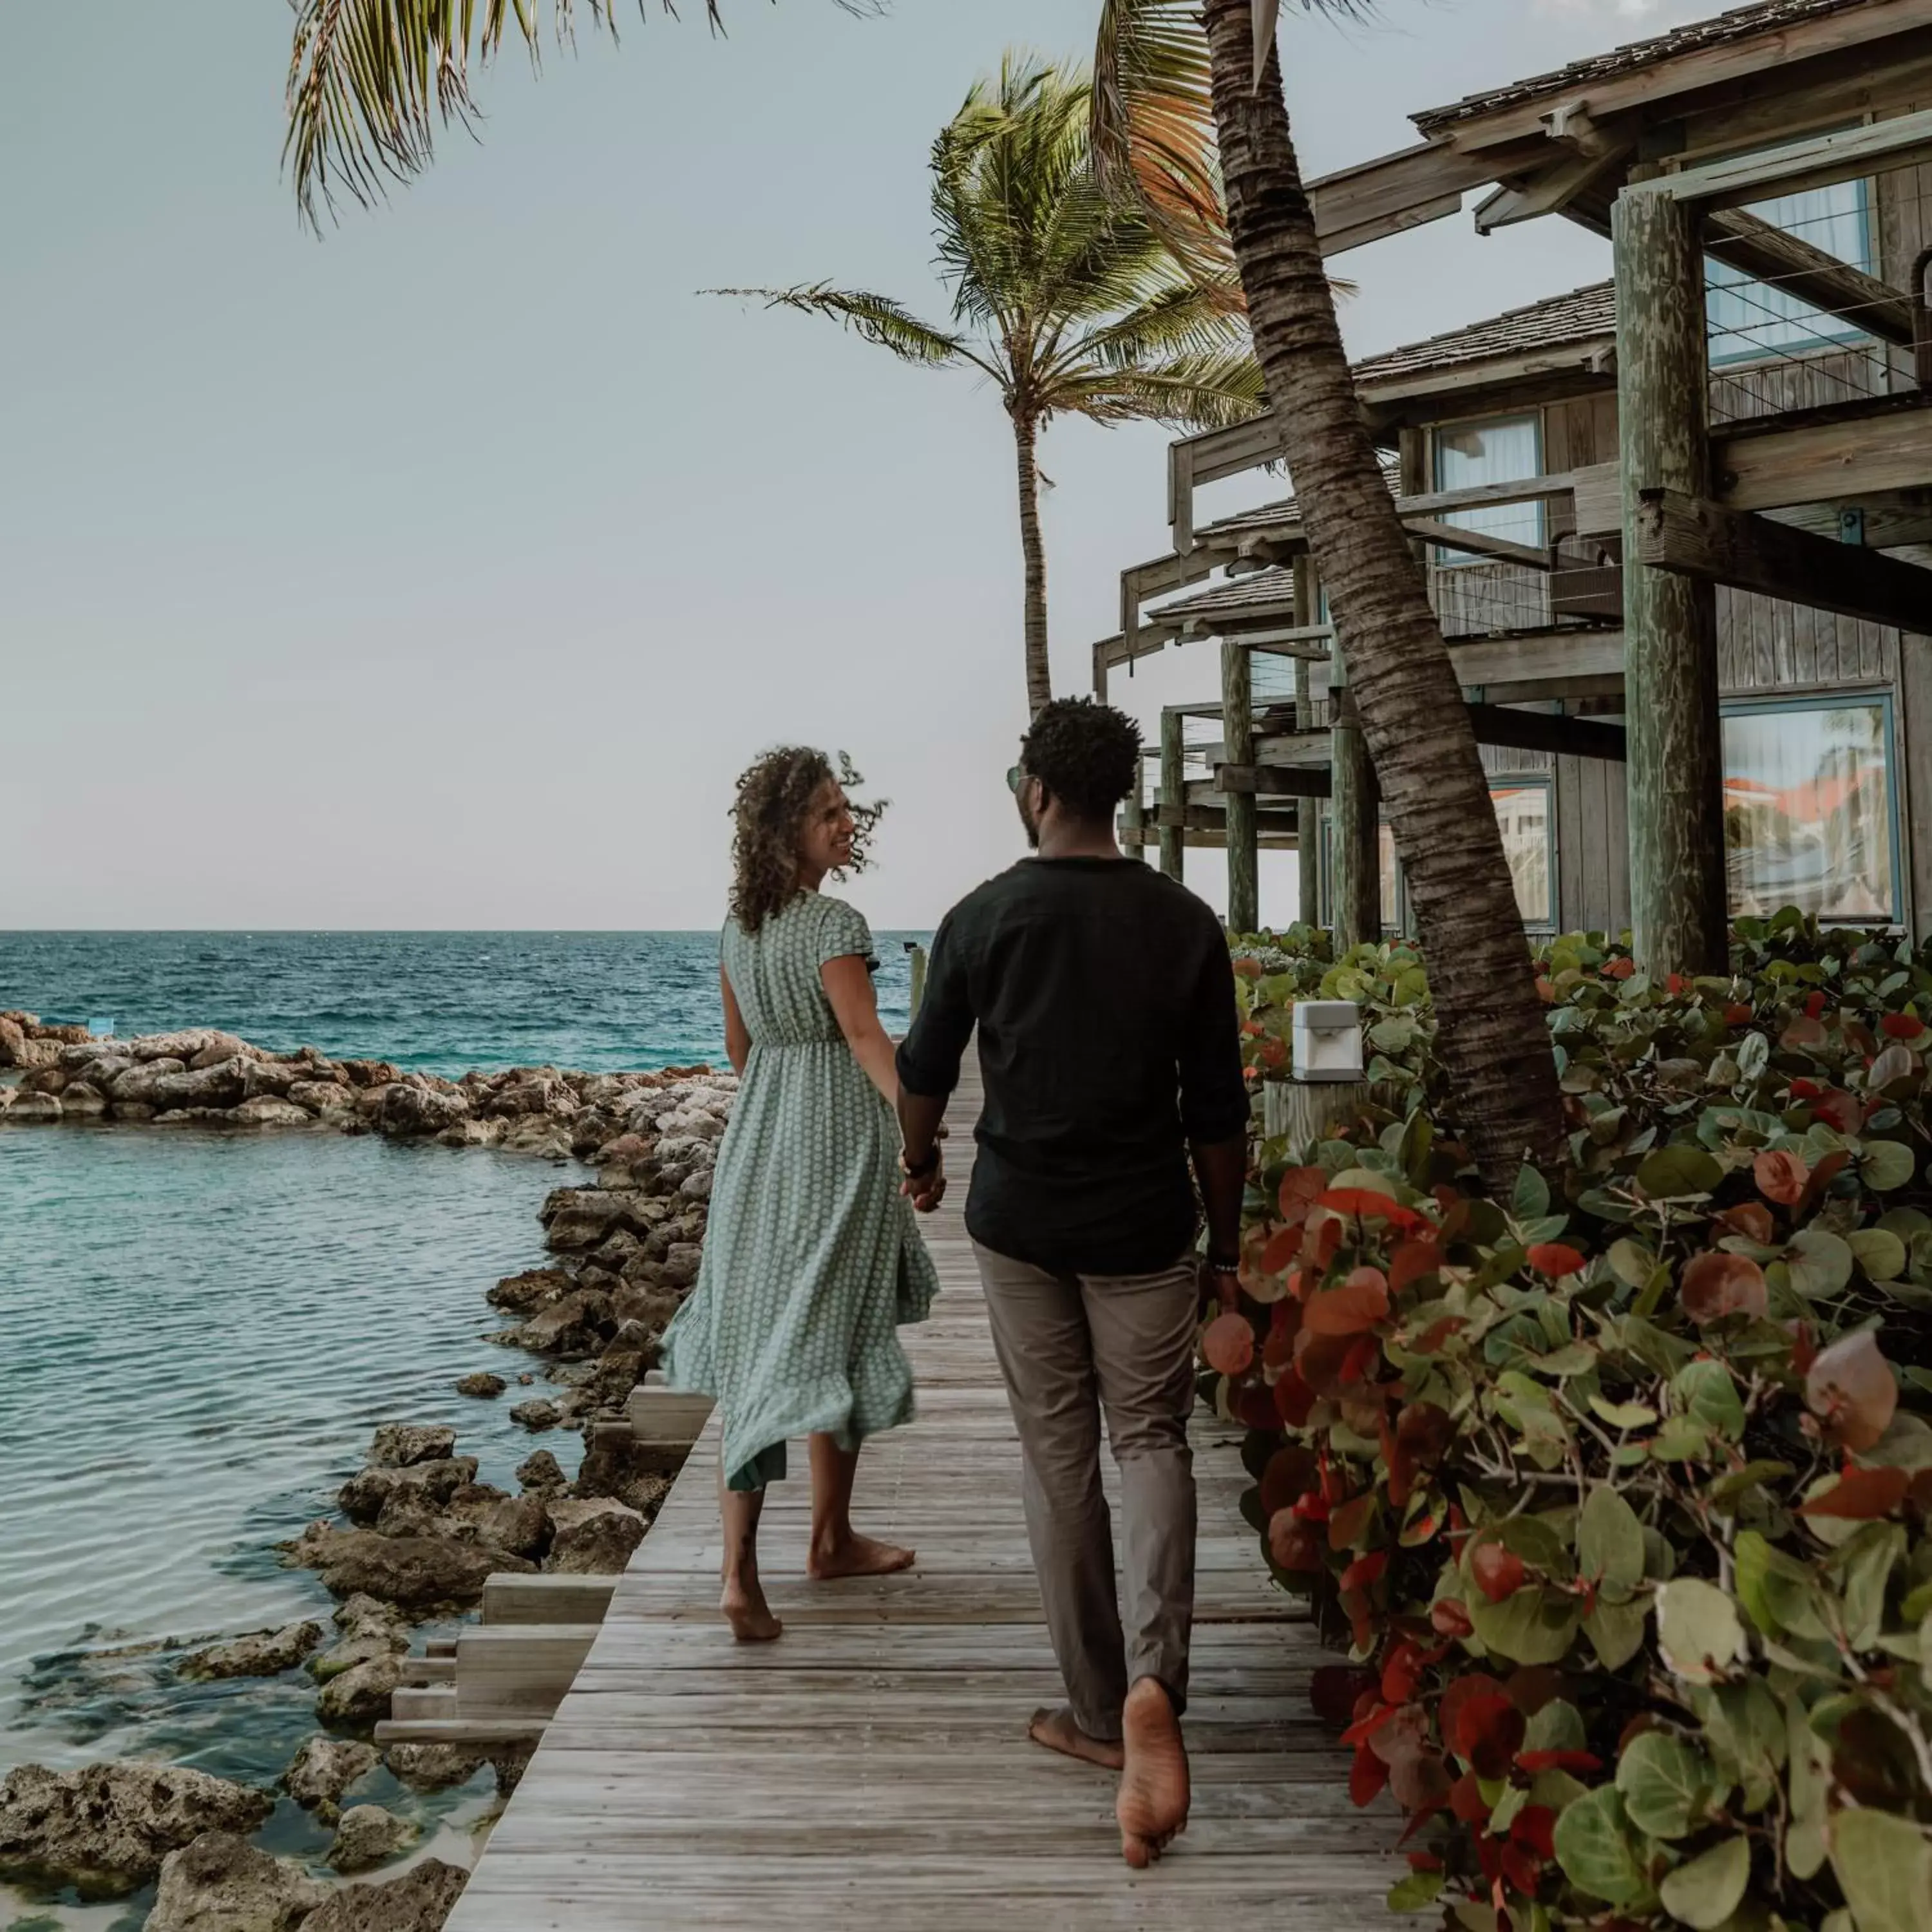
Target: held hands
point(924, 1188)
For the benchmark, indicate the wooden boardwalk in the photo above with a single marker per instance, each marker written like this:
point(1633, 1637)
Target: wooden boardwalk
point(871, 1769)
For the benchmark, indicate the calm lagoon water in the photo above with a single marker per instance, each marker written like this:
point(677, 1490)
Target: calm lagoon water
point(202, 1329)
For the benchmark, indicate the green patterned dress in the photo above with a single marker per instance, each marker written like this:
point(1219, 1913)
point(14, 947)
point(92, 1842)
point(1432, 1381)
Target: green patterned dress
point(811, 1257)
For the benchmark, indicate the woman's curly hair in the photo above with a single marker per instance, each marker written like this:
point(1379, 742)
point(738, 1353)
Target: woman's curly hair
point(774, 797)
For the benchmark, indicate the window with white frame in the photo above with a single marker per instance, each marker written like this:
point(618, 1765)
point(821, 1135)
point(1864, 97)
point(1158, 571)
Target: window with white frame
point(1527, 819)
point(1810, 808)
point(1493, 449)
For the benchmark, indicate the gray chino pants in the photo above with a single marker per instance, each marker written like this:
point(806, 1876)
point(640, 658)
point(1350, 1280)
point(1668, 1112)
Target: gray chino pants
point(1070, 1346)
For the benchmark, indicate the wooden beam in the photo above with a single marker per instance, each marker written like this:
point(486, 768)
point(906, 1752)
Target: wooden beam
point(1173, 786)
point(1237, 733)
point(1771, 172)
point(1825, 462)
point(1704, 540)
point(1476, 543)
point(1791, 263)
point(1523, 489)
point(1551, 189)
point(1679, 915)
point(1539, 731)
point(1297, 781)
point(1393, 193)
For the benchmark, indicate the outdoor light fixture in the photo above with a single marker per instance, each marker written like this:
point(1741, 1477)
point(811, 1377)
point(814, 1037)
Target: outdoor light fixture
point(1327, 1040)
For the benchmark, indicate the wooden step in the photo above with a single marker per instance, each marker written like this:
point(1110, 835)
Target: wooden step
point(519, 1667)
point(465, 1731)
point(440, 1646)
point(438, 1701)
point(511, 1598)
point(418, 1670)
point(666, 1420)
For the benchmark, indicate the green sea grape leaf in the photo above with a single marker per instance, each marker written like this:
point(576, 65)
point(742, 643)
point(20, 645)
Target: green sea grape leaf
point(1697, 1629)
point(1531, 1625)
point(1416, 1892)
point(1531, 1200)
point(1559, 1726)
point(1884, 1864)
point(1707, 1392)
point(1630, 1261)
point(1808, 1758)
point(1885, 1164)
point(1705, 1892)
point(1879, 1251)
point(1594, 1847)
point(1669, 1173)
point(1609, 1539)
point(1616, 1631)
point(1667, 1784)
point(1624, 1414)
point(1818, 1262)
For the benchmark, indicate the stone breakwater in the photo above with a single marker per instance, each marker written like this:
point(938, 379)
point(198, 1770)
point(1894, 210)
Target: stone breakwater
point(417, 1534)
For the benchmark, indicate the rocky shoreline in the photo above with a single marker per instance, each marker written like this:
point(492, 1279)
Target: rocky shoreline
point(417, 1534)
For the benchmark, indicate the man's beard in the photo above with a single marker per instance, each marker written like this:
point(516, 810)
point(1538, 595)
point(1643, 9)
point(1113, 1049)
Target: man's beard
point(1031, 824)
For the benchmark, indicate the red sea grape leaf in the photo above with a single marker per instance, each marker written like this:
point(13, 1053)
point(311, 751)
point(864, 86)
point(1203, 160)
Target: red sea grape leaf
point(1283, 1248)
point(1365, 1568)
point(1449, 1617)
point(1229, 1344)
point(1715, 1284)
point(1253, 1402)
point(1531, 1686)
point(1301, 1188)
point(1437, 1333)
point(1293, 1399)
point(1555, 1258)
point(1471, 1684)
point(1498, 1571)
point(1333, 1689)
point(1353, 1309)
point(1465, 1800)
point(1414, 1261)
point(1802, 1032)
point(1521, 1868)
point(1420, 1783)
point(1841, 1110)
point(1290, 1470)
point(1814, 1003)
point(1751, 1219)
point(1619, 969)
point(1781, 1177)
point(1424, 1861)
point(1580, 1763)
point(1828, 1170)
point(1401, 1671)
point(1851, 1389)
point(1403, 1735)
point(1860, 1494)
point(1738, 1014)
point(1489, 1733)
point(1349, 1521)
point(1359, 1363)
point(1294, 1547)
point(1366, 1777)
point(1902, 1026)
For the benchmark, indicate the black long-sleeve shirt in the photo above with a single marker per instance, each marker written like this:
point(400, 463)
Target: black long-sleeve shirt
point(1109, 1040)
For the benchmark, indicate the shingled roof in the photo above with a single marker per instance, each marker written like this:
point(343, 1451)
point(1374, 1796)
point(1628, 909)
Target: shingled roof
point(1239, 596)
point(1583, 315)
point(1741, 24)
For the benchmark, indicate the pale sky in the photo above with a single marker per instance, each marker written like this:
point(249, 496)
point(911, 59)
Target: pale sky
point(444, 572)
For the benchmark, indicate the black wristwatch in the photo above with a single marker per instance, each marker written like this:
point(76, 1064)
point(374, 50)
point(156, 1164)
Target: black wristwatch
point(924, 1167)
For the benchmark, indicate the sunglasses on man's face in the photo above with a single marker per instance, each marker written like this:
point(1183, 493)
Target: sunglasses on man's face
point(1015, 779)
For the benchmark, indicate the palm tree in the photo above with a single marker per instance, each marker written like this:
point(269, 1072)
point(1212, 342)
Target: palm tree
point(1192, 88)
point(1064, 296)
point(371, 81)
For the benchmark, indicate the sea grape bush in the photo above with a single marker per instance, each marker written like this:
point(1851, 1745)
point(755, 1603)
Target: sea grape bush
point(1618, 1490)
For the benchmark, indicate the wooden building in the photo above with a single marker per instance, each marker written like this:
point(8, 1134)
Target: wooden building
point(1720, 461)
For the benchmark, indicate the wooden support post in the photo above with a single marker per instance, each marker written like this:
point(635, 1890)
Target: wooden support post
point(1355, 822)
point(1678, 908)
point(1173, 790)
point(1308, 827)
point(1238, 736)
point(1134, 819)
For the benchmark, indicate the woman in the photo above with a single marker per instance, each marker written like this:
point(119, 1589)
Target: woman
point(811, 1259)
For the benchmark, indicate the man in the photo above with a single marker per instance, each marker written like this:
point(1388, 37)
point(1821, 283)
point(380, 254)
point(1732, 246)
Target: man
point(1109, 1044)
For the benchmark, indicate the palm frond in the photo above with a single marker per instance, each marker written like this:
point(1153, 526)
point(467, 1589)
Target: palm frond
point(875, 318)
point(371, 82)
point(1186, 317)
point(1195, 392)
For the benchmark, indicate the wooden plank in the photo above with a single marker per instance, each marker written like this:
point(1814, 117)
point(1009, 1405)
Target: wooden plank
point(1273, 781)
point(1237, 733)
point(1173, 784)
point(511, 1598)
point(1889, 448)
point(1692, 536)
point(1791, 263)
point(1476, 543)
point(1902, 141)
point(1393, 193)
point(1539, 731)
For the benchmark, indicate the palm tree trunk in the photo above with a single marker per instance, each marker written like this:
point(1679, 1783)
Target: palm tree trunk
point(1493, 1041)
point(1038, 670)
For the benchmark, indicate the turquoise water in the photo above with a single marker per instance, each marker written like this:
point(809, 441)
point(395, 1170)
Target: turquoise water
point(202, 1329)
point(442, 1001)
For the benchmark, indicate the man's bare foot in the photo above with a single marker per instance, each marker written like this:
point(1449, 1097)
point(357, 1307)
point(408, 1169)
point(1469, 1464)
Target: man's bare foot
point(1152, 1807)
point(747, 1613)
point(1058, 1731)
point(857, 1556)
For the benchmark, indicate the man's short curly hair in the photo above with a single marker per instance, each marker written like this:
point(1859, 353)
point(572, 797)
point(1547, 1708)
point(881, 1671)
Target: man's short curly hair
point(1087, 755)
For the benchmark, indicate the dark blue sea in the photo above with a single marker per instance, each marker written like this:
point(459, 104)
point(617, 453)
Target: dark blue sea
point(203, 1329)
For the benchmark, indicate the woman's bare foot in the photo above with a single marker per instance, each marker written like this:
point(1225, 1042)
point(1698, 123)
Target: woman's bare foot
point(853, 1555)
point(747, 1613)
point(1058, 1731)
point(1152, 1807)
